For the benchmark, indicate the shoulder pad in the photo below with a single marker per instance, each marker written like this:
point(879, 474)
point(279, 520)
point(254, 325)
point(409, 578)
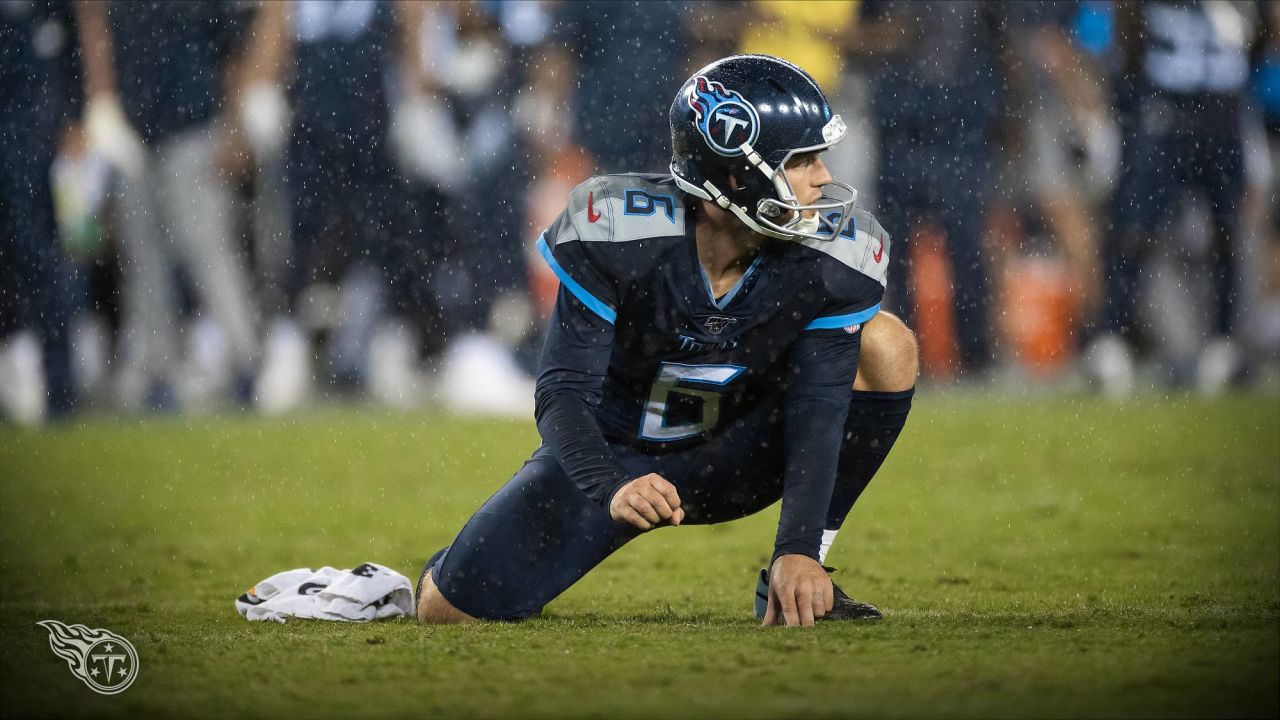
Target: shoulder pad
point(621, 208)
point(862, 246)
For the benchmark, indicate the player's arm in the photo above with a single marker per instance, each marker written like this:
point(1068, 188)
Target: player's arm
point(574, 360)
point(256, 82)
point(108, 129)
point(822, 365)
point(571, 373)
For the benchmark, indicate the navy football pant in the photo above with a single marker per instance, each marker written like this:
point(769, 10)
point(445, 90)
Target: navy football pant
point(36, 283)
point(527, 544)
point(947, 183)
point(1175, 146)
point(539, 534)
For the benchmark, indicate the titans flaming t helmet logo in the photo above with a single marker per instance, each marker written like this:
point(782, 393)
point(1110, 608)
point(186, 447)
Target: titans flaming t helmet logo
point(723, 117)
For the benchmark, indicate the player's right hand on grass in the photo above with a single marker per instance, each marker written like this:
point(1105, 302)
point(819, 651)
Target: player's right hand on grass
point(646, 502)
point(800, 591)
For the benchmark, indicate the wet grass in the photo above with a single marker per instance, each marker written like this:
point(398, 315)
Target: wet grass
point(1048, 558)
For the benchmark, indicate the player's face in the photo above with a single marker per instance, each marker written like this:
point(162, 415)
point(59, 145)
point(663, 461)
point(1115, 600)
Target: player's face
point(807, 175)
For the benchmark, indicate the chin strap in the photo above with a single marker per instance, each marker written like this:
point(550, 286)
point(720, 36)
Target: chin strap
point(741, 213)
point(807, 224)
point(717, 197)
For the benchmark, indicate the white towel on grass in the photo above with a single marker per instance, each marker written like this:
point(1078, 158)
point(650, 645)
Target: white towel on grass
point(366, 592)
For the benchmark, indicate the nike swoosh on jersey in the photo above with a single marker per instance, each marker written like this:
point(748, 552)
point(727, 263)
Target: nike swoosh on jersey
point(592, 215)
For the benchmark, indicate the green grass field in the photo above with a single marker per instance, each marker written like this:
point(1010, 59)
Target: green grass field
point(1049, 558)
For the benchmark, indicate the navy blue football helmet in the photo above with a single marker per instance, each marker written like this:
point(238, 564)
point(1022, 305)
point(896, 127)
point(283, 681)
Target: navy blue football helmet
point(744, 117)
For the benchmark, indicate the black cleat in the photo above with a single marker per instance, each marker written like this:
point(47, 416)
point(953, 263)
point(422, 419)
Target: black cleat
point(844, 608)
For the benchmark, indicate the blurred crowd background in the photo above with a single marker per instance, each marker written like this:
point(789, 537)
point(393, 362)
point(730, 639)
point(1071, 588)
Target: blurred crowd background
point(271, 205)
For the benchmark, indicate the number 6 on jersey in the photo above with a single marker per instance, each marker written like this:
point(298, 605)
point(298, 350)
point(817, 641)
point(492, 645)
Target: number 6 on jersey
point(702, 382)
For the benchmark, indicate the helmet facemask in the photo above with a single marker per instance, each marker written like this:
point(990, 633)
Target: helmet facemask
point(813, 221)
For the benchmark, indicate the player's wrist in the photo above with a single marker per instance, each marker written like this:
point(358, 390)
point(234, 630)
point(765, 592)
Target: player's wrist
point(613, 488)
point(784, 551)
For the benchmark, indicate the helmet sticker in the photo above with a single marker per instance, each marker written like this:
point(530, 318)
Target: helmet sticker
point(723, 117)
point(833, 130)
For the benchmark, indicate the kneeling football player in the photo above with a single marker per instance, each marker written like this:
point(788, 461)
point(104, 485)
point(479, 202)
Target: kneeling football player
point(702, 361)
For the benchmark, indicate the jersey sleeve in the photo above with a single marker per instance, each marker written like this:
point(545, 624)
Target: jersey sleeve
point(576, 245)
point(571, 372)
point(821, 369)
point(578, 346)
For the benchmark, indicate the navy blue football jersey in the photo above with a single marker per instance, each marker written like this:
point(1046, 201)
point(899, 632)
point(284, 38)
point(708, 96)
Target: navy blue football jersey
point(660, 364)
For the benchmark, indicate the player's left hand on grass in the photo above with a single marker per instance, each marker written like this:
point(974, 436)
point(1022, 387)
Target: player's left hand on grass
point(800, 592)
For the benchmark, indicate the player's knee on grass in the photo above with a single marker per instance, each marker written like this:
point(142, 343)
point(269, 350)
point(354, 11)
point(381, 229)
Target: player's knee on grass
point(890, 357)
point(435, 609)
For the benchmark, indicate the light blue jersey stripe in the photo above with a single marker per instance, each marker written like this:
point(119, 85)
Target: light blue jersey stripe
point(835, 322)
point(593, 303)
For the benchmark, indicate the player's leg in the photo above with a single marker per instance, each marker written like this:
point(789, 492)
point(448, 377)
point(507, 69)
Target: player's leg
point(527, 544)
point(432, 606)
point(903, 208)
point(963, 218)
point(889, 360)
point(1145, 190)
point(882, 392)
point(149, 334)
point(1219, 171)
point(206, 242)
point(34, 263)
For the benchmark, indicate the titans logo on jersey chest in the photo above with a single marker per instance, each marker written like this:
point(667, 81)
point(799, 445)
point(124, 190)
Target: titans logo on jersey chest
point(716, 324)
